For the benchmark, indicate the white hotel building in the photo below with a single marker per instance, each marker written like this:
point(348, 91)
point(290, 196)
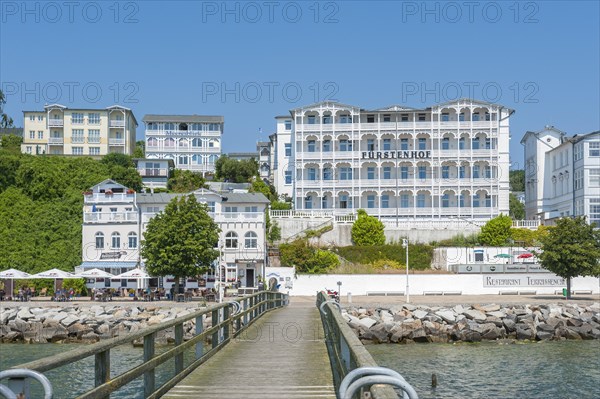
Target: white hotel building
point(443, 162)
point(562, 175)
point(193, 142)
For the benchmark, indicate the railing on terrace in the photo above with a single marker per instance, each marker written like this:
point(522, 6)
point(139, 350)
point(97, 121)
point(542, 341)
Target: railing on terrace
point(103, 217)
point(116, 123)
point(56, 140)
point(56, 122)
point(231, 321)
point(346, 352)
point(103, 197)
point(257, 217)
point(116, 141)
point(527, 224)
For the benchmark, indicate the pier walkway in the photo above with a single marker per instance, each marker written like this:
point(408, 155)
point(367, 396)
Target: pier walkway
point(281, 355)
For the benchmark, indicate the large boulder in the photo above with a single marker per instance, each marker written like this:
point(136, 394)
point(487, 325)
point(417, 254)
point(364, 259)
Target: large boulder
point(475, 315)
point(446, 315)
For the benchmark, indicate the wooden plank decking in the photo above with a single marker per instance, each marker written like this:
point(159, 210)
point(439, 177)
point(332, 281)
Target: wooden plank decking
point(281, 355)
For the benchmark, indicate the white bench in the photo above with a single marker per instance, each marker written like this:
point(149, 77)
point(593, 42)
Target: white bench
point(452, 292)
point(433, 293)
point(385, 293)
point(509, 292)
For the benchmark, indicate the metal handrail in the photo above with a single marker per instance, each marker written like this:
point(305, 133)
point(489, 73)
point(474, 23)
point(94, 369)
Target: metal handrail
point(20, 375)
point(379, 379)
point(225, 326)
point(7, 392)
point(361, 372)
point(331, 301)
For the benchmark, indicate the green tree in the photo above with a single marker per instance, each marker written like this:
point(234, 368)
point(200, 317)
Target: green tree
point(259, 186)
point(115, 158)
point(280, 206)
point(129, 177)
point(571, 249)
point(185, 181)
point(5, 120)
point(12, 143)
point(307, 259)
point(496, 232)
point(180, 241)
point(274, 232)
point(234, 171)
point(367, 230)
point(140, 149)
point(517, 180)
point(516, 208)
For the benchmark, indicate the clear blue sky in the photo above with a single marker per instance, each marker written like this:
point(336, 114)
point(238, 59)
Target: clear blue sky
point(179, 57)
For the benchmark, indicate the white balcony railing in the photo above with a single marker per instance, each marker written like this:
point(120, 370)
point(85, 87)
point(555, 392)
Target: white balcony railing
point(109, 217)
point(56, 140)
point(232, 217)
point(184, 133)
point(96, 198)
point(93, 140)
point(56, 122)
point(526, 224)
point(116, 123)
point(163, 172)
point(77, 140)
point(116, 141)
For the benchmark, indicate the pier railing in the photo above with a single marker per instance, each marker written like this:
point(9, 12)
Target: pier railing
point(228, 320)
point(346, 352)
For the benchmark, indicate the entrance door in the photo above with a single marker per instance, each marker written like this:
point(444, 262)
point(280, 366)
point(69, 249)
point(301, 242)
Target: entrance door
point(249, 278)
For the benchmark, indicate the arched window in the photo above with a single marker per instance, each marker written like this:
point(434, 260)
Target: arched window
point(231, 240)
point(132, 240)
point(99, 241)
point(251, 240)
point(115, 240)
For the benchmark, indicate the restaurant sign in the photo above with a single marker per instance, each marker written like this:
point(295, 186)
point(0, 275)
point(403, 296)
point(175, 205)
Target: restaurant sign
point(550, 280)
point(396, 154)
point(112, 255)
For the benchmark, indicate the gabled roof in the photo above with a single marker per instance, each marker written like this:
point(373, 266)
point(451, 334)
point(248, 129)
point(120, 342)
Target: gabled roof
point(117, 106)
point(469, 101)
point(577, 138)
point(54, 106)
point(256, 198)
point(396, 107)
point(325, 104)
point(547, 128)
point(108, 181)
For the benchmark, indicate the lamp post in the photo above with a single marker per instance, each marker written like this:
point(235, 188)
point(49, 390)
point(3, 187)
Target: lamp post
point(339, 284)
point(405, 243)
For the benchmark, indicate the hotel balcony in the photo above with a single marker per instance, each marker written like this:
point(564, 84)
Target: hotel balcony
point(56, 122)
point(393, 126)
point(116, 141)
point(163, 172)
point(233, 217)
point(110, 217)
point(99, 198)
point(56, 140)
point(116, 123)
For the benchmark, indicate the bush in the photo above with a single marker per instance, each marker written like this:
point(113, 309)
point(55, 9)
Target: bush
point(306, 258)
point(496, 232)
point(459, 241)
point(367, 230)
point(419, 255)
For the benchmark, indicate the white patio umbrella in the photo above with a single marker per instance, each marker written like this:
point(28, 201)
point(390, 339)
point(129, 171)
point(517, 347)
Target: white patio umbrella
point(55, 274)
point(12, 274)
point(95, 274)
point(137, 274)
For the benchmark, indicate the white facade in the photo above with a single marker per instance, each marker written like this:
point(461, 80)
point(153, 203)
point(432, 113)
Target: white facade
point(444, 162)
point(282, 156)
point(155, 173)
point(58, 130)
point(562, 176)
point(193, 142)
point(114, 224)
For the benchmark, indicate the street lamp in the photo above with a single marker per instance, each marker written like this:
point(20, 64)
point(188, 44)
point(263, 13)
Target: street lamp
point(405, 243)
point(339, 284)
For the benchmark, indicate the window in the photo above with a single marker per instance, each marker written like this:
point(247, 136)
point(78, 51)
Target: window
point(488, 200)
point(311, 119)
point(327, 120)
point(28, 149)
point(461, 117)
point(594, 177)
point(461, 172)
point(32, 134)
point(595, 211)
point(211, 206)
point(77, 150)
point(445, 172)
point(475, 118)
point(404, 144)
point(461, 200)
point(488, 172)
point(594, 149)
point(132, 240)
point(345, 173)
point(578, 180)
point(40, 134)
point(445, 117)
point(231, 240)
point(488, 143)
point(327, 173)
point(445, 201)
point(345, 119)
point(370, 118)
point(288, 177)
point(404, 172)
point(370, 201)
point(404, 201)
point(387, 172)
point(183, 160)
point(77, 136)
point(475, 171)
point(94, 136)
point(422, 172)
point(475, 143)
point(288, 125)
point(387, 144)
point(345, 201)
point(420, 200)
point(446, 143)
point(461, 143)
point(32, 118)
point(326, 145)
point(251, 209)
point(308, 203)
point(94, 150)
point(115, 240)
point(475, 201)
point(370, 144)
point(288, 150)
point(312, 174)
point(385, 201)
point(312, 146)
point(77, 118)
point(230, 209)
point(404, 118)
point(371, 173)
point(345, 145)
point(578, 151)
point(421, 117)
point(324, 203)
point(422, 143)
point(99, 241)
point(251, 240)
point(93, 118)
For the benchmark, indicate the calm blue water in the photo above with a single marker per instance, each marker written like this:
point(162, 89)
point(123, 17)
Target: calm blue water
point(76, 378)
point(548, 370)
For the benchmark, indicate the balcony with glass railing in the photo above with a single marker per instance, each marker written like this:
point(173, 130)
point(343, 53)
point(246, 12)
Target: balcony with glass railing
point(110, 217)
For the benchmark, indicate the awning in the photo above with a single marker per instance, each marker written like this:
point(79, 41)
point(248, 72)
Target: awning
point(108, 265)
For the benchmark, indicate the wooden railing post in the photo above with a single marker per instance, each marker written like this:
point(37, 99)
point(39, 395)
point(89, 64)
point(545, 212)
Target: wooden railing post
point(102, 360)
point(199, 329)
point(149, 376)
point(244, 308)
point(215, 322)
point(179, 341)
point(226, 323)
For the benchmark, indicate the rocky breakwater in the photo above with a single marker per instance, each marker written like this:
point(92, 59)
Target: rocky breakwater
point(410, 323)
point(87, 324)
